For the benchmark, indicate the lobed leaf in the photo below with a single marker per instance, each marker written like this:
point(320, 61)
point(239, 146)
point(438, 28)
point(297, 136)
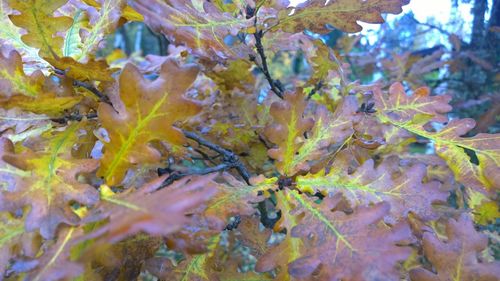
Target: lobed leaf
point(11, 230)
point(329, 129)
point(55, 263)
point(202, 30)
point(37, 18)
point(158, 213)
point(93, 70)
point(35, 93)
point(46, 180)
point(11, 35)
point(314, 15)
point(401, 186)
point(457, 257)
point(335, 243)
point(287, 131)
point(104, 16)
point(148, 112)
point(413, 112)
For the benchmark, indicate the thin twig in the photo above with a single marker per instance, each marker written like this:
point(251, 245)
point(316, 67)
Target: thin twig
point(316, 88)
point(178, 175)
point(102, 97)
point(432, 26)
point(74, 117)
point(229, 157)
point(276, 86)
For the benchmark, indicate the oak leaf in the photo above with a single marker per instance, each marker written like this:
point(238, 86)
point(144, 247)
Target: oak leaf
point(46, 180)
point(329, 129)
point(148, 112)
point(202, 30)
point(401, 186)
point(291, 248)
point(223, 260)
point(35, 93)
point(55, 262)
point(339, 242)
point(93, 70)
point(287, 131)
point(17, 125)
point(314, 15)
point(413, 112)
point(37, 17)
point(11, 231)
point(457, 257)
point(157, 212)
point(10, 35)
point(104, 18)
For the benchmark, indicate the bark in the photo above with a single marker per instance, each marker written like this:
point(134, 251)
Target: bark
point(492, 38)
point(478, 26)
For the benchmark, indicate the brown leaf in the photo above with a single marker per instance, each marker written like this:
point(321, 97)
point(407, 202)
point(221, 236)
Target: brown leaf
point(94, 70)
point(147, 112)
point(46, 180)
point(287, 130)
point(400, 185)
point(35, 93)
point(157, 213)
point(37, 17)
point(457, 258)
point(335, 244)
point(203, 30)
point(342, 14)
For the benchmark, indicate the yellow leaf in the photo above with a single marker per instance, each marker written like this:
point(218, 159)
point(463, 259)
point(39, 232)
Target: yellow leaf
point(37, 17)
point(400, 110)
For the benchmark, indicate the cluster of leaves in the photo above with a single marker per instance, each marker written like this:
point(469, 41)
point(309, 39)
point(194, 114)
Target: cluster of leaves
point(437, 55)
point(245, 176)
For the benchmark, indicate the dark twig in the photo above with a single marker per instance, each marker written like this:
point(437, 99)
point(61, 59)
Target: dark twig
point(315, 90)
point(178, 175)
point(74, 117)
point(229, 157)
point(230, 161)
point(102, 97)
point(276, 85)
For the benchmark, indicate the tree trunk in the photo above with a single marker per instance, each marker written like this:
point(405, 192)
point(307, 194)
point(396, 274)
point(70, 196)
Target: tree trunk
point(478, 26)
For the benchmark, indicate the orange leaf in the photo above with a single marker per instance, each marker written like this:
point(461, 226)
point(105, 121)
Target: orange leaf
point(35, 93)
point(96, 70)
point(287, 131)
point(148, 112)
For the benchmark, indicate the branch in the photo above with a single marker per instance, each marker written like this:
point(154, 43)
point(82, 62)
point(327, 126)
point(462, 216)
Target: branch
point(74, 117)
point(432, 26)
point(102, 97)
point(276, 85)
point(178, 175)
point(229, 157)
point(315, 90)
